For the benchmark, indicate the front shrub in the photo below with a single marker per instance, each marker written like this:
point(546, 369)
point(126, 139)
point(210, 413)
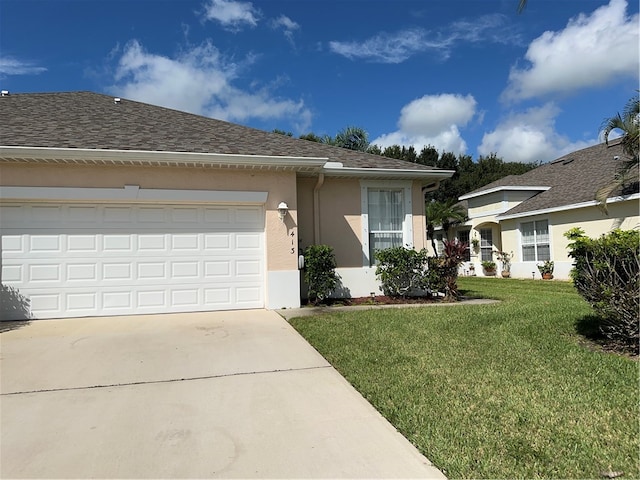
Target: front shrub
point(320, 272)
point(402, 271)
point(607, 275)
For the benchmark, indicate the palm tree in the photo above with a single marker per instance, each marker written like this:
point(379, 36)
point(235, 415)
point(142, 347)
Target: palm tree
point(628, 124)
point(445, 214)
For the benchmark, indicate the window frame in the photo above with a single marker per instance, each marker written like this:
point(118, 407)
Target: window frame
point(467, 251)
point(536, 244)
point(407, 223)
point(488, 247)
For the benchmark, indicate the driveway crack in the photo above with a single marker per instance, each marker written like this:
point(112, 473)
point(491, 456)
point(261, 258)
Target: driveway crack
point(171, 380)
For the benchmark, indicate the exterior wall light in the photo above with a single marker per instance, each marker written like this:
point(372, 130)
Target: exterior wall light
point(283, 208)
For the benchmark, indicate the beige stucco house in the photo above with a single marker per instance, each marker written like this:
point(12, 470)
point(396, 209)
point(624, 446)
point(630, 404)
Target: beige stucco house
point(527, 215)
point(111, 207)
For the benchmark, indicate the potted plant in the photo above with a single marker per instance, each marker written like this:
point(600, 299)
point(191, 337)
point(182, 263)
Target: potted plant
point(489, 267)
point(546, 269)
point(505, 259)
point(475, 243)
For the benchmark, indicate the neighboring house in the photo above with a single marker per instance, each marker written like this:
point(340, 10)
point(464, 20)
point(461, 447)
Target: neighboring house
point(111, 207)
point(527, 215)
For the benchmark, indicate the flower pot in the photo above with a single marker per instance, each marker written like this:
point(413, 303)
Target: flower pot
point(505, 274)
point(547, 276)
point(489, 273)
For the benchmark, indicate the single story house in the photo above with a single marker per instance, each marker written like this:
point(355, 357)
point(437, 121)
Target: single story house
point(527, 215)
point(111, 206)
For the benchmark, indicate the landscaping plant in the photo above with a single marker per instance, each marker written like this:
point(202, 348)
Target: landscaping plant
point(607, 274)
point(402, 271)
point(454, 252)
point(320, 272)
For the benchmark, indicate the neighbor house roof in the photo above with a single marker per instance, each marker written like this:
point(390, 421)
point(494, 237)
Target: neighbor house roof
point(91, 127)
point(572, 179)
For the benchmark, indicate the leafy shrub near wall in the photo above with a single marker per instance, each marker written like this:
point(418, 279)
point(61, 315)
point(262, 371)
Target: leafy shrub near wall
point(320, 272)
point(607, 274)
point(402, 271)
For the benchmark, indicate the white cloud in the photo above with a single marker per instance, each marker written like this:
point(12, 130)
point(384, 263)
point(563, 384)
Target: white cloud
point(287, 25)
point(232, 15)
point(592, 50)
point(13, 66)
point(384, 47)
point(432, 120)
point(529, 137)
point(399, 46)
point(200, 81)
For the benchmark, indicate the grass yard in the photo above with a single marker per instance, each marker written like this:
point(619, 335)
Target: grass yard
point(509, 390)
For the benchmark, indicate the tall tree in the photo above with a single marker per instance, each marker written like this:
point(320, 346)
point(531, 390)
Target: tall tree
point(444, 214)
point(628, 123)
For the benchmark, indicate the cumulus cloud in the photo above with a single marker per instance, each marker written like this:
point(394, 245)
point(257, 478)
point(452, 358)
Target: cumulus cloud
point(529, 137)
point(200, 80)
point(432, 120)
point(14, 66)
point(399, 46)
point(232, 15)
point(592, 50)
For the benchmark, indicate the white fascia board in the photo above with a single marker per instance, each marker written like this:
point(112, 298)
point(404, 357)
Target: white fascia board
point(154, 157)
point(131, 193)
point(573, 206)
point(501, 189)
point(405, 173)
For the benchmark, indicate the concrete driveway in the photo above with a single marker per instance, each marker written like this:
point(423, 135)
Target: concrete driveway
point(205, 395)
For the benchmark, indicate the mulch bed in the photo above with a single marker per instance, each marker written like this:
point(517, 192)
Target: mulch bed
point(380, 300)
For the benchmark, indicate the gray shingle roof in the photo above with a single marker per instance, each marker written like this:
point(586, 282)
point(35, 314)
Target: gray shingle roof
point(94, 121)
point(571, 179)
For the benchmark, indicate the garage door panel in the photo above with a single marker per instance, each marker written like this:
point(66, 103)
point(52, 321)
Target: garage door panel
point(127, 259)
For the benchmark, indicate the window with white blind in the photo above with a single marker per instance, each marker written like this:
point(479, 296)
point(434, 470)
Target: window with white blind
point(386, 208)
point(463, 237)
point(439, 239)
point(535, 241)
point(486, 245)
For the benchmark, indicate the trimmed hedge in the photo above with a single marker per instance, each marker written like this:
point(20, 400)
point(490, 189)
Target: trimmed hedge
point(320, 272)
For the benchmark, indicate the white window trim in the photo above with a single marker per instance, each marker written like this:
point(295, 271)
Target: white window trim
point(407, 224)
point(520, 244)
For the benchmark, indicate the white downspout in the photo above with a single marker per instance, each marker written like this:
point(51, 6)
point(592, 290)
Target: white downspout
point(316, 209)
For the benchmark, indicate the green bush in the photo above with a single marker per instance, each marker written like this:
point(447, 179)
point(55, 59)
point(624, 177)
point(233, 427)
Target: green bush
point(402, 271)
point(320, 272)
point(607, 274)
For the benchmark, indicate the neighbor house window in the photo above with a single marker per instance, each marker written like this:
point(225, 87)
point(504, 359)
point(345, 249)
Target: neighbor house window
point(535, 241)
point(463, 237)
point(386, 208)
point(486, 245)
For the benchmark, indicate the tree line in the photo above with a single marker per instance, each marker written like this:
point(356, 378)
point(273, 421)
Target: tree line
point(468, 176)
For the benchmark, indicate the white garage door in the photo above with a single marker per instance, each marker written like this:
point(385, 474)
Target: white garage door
point(71, 260)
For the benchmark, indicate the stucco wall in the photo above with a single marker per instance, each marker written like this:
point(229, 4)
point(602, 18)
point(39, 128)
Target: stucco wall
point(280, 185)
point(591, 220)
point(341, 220)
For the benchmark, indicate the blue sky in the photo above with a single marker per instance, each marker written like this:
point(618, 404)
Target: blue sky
point(466, 76)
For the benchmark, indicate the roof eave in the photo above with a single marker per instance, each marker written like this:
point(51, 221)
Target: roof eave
point(561, 208)
point(156, 158)
point(527, 188)
point(387, 173)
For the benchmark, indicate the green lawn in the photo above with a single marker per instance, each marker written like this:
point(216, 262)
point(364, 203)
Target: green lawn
point(509, 390)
